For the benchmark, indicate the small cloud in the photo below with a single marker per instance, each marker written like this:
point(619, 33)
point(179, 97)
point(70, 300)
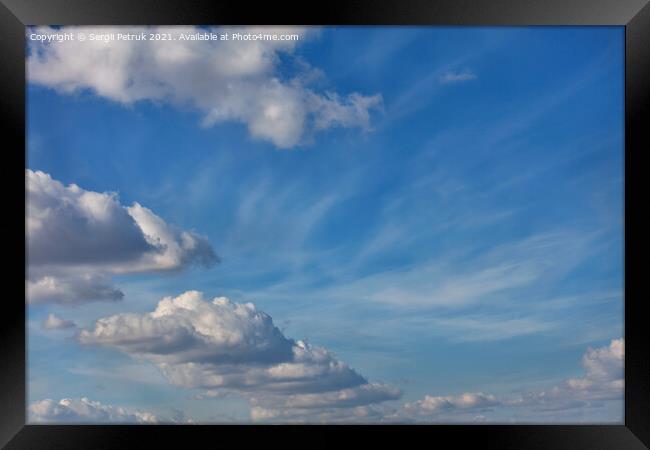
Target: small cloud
point(211, 393)
point(84, 410)
point(457, 77)
point(54, 322)
point(465, 402)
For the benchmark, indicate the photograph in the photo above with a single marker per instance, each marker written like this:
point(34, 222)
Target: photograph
point(375, 222)
point(336, 224)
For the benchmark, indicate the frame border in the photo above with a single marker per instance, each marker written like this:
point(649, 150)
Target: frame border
point(633, 14)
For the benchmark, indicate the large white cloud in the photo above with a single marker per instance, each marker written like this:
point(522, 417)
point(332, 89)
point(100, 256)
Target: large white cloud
point(83, 410)
point(188, 329)
point(77, 238)
point(225, 345)
point(226, 80)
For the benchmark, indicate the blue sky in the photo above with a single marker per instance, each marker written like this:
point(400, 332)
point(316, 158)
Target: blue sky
point(468, 238)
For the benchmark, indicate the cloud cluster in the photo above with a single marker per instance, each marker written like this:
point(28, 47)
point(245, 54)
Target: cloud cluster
point(77, 238)
point(83, 410)
point(220, 347)
point(603, 381)
point(220, 344)
point(240, 81)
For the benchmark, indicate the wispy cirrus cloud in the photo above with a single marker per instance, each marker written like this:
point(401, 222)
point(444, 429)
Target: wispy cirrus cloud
point(464, 277)
point(458, 76)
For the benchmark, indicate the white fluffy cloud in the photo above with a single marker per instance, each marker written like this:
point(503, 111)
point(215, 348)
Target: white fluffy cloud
point(225, 80)
point(54, 322)
point(83, 410)
point(603, 364)
point(77, 238)
point(604, 380)
point(188, 329)
point(220, 344)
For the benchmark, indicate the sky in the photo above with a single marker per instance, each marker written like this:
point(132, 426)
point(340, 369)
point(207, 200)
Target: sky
point(366, 224)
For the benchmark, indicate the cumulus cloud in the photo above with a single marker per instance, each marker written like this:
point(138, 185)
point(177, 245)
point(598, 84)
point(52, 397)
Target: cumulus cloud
point(83, 410)
point(77, 238)
point(603, 381)
point(238, 81)
point(54, 322)
point(223, 345)
point(604, 364)
point(189, 329)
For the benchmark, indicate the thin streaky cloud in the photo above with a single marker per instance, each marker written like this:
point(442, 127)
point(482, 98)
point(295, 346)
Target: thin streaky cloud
point(457, 76)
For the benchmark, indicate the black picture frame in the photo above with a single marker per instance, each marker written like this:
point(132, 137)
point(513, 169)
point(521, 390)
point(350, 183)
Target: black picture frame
point(634, 15)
